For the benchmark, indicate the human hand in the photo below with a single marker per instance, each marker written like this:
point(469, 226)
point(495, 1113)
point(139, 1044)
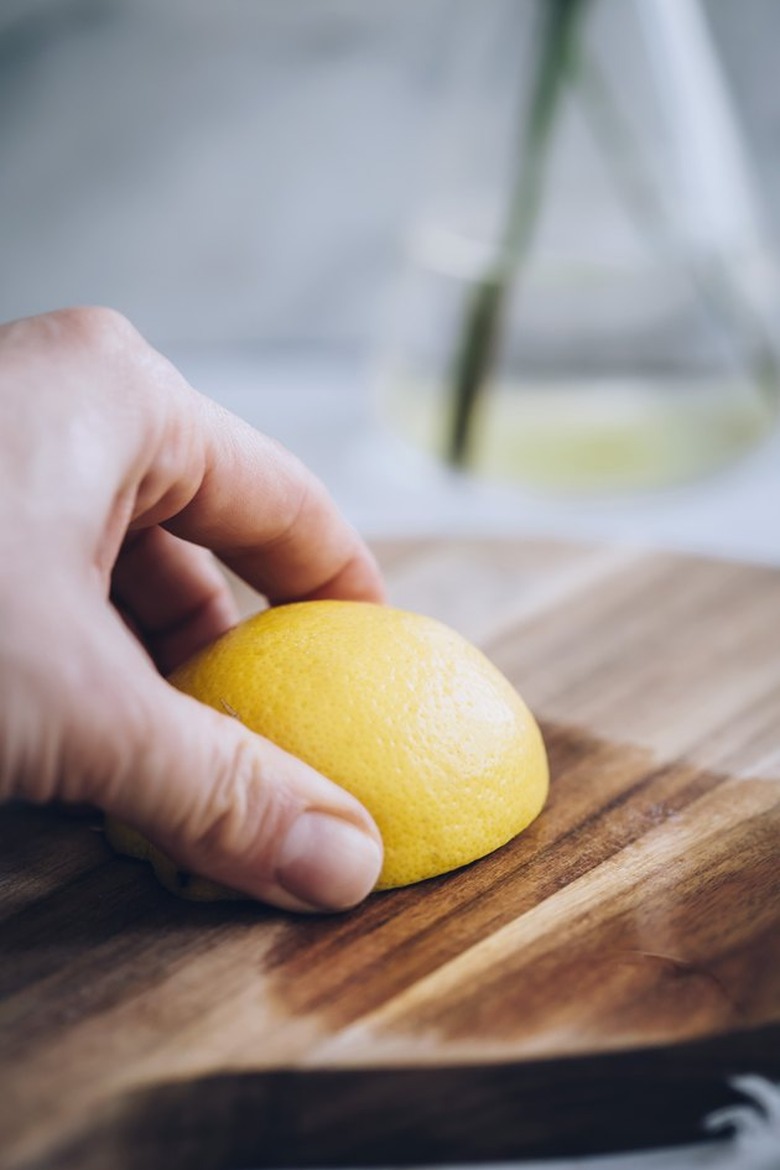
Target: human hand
point(116, 477)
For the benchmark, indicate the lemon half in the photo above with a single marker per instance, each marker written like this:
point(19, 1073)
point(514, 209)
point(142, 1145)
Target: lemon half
point(393, 706)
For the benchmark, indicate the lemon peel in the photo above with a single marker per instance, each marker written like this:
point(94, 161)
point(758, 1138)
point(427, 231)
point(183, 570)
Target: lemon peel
point(395, 707)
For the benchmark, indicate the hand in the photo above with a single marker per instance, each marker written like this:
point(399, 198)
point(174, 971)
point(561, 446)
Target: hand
point(116, 477)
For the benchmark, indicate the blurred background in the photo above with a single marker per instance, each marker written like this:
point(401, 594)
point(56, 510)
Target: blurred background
point(282, 195)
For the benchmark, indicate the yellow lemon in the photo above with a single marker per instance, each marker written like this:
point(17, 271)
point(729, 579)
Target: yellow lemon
point(395, 707)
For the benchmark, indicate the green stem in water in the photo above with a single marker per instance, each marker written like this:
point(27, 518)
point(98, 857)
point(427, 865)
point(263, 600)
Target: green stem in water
point(486, 305)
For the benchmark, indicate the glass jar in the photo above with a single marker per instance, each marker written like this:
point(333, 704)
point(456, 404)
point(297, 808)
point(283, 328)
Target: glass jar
point(587, 299)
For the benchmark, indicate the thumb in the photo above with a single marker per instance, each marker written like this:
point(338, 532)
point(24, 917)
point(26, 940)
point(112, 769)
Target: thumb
point(221, 801)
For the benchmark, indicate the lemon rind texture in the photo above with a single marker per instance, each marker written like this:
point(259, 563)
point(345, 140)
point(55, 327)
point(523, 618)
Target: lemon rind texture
point(360, 691)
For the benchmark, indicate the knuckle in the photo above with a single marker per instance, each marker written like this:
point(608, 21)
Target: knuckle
point(298, 500)
point(177, 471)
point(97, 327)
point(243, 811)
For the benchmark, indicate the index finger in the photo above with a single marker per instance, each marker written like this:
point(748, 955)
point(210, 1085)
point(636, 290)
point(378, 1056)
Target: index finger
point(264, 514)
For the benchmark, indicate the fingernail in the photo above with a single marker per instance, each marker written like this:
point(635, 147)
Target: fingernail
point(328, 862)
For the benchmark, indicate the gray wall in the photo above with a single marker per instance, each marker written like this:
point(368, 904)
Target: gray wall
point(243, 170)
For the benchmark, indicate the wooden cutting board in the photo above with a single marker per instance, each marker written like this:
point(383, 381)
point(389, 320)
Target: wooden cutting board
point(590, 986)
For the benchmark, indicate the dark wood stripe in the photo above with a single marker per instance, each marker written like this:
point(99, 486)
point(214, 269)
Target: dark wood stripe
point(409, 1117)
point(426, 926)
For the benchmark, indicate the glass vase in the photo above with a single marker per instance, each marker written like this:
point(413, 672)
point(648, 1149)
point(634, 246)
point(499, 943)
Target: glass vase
point(587, 299)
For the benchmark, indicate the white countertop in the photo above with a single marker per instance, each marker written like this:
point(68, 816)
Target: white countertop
point(323, 411)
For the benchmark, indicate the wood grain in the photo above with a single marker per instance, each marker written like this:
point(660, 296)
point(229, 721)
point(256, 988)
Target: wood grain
point(623, 952)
